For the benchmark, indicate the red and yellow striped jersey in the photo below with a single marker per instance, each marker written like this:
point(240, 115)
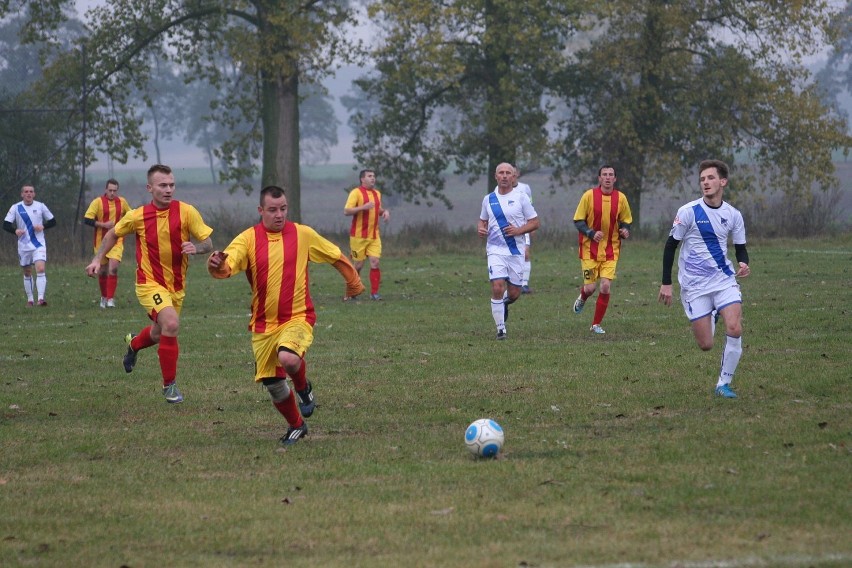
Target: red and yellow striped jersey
point(602, 213)
point(159, 236)
point(102, 209)
point(365, 224)
point(276, 266)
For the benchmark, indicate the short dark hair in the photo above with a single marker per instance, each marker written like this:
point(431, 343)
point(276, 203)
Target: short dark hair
point(605, 167)
point(362, 173)
point(272, 191)
point(721, 167)
point(112, 181)
point(159, 169)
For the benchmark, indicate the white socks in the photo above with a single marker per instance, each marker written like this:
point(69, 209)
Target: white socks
point(28, 287)
point(41, 285)
point(730, 359)
point(497, 311)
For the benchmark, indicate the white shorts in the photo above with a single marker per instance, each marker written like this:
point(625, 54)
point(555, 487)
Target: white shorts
point(704, 305)
point(506, 267)
point(30, 257)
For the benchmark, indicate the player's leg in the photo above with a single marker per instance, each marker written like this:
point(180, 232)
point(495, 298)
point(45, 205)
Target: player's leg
point(732, 314)
point(358, 254)
point(498, 273)
point(28, 281)
point(294, 339)
point(525, 281)
point(165, 332)
point(39, 262)
point(590, 282)
point(103, 272)
point(112, 281)
point(606, 274)
point(374, 254)
point(269, 371)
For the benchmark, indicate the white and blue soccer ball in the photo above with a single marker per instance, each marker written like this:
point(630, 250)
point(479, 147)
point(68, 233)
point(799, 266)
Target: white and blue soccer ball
point(484, 438)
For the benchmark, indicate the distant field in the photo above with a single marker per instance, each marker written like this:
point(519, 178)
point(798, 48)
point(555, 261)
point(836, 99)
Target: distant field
point(616, 456)
point(324, 193)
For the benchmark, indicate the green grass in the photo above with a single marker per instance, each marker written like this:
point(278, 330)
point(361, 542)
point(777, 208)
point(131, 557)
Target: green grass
point(616, 453)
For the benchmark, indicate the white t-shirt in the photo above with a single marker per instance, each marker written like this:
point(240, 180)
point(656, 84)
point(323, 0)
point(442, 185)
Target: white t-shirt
point(27, 217)
point(703, 264)
point(514, 208)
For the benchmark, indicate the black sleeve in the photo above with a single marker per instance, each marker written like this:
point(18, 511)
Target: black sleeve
point(49, 224)
point(668, 259)
point(624, 226)
point(584, 228)
point(89, 222)
point(741, 253)
point(8, 227)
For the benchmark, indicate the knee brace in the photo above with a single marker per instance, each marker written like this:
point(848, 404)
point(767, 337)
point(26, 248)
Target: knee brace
point(278, 389)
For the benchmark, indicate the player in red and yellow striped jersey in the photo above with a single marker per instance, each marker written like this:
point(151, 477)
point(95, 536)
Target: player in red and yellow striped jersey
point(602, 219)
point(274, 254)
point(163, 230)
point(364, 205)
point(103, 213)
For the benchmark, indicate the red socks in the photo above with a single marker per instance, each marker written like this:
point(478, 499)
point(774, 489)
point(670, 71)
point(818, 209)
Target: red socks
point(375, 280)
point(289, 410)
point(600, 308)
point(168, 353)
point(111, 285)
point(142, 340)
point(102, 283)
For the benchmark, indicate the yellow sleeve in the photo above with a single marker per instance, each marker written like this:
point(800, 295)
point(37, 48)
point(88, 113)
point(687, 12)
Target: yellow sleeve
point(197, 228)
point(126, 224)
point(352, 200)
point(93, 212)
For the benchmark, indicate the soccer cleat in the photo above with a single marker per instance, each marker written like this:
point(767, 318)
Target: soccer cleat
point(103, 303)
point(578, 304)
point(172, 394)
point(350, 298)
point(501, 334)
point(42, 303)
point(596, 328)
point(293, 435)
point(29, 303)
point(130, 356)
point(725, 391)
point(375, 297)
point(110, 303)
point(526, 289)
point(306, 400)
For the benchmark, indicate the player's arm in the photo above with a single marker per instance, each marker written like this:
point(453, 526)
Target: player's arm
point(49, 223)
point(109, 240)
point(354, 286)
point(354, 210)
point(742, 259)
point(9, 227)
point(218, 266)
point(203, 247)
point(584, 228)
point(482, 228)
point(668, 261)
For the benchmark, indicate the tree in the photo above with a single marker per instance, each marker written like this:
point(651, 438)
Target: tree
point(835, 78)
point(277, 46)
point(702, 79)
point(458, 85)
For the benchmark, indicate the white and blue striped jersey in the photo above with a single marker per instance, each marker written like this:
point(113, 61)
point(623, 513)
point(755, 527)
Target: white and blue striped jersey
point(703, 264)
point(500, 211)
point(26, 217)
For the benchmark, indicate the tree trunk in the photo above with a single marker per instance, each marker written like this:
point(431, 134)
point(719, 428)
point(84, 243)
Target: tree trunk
point(281, 139)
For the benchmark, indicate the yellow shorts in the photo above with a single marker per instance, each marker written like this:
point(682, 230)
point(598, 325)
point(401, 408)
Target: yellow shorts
point(594, 270)
point(362, 248)
point(296, 336)
point(154, 298)
point(114, 253)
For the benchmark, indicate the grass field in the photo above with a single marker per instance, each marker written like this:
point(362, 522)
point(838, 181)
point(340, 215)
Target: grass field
point(616, 453)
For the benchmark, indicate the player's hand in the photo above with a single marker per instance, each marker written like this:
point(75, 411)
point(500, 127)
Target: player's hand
point(624, 233)
point(367, 206)
point(666, 294)
point(187, 247)
point(510, 231)
point(743, 271)
point(482, 231)
point(216, 259)
point(93, 268)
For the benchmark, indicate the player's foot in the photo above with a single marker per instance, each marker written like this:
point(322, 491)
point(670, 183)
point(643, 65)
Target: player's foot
point(110, 303)
point(42, 303)
point(130, 356)
point(293, 435)
point(725, 391)
point(103, 303)
point(501, 334)
point(350, 298)
point(29, 303)
point(506, 309)
point(306, 400)
point(596, 328)
point(172, 394)
point(375, 297)
point(578, 304)
point(526, 289)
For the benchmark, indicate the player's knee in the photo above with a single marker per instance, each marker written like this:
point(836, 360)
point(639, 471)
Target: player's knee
point(277, 388)
point(289, 360)
point(705, 345)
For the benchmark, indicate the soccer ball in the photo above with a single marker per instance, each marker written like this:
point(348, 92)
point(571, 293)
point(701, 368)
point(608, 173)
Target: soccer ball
point(484, 438)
